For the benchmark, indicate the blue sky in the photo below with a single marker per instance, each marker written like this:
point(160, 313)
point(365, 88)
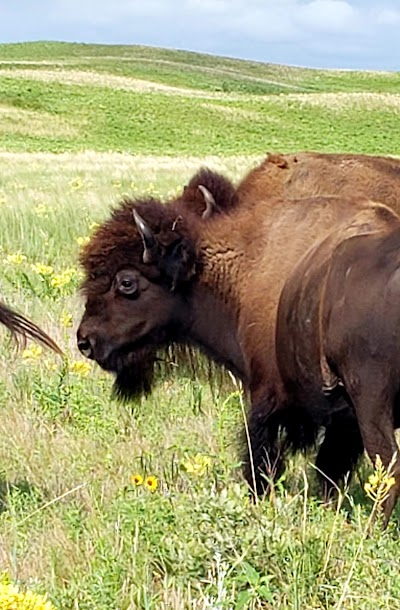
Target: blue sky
point(362, 34)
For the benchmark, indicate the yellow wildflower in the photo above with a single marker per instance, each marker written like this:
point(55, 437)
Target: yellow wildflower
point(32, 353)
point(65, 277)
point(15, 259)
point(60, 280)
point(41, 210)
point(82, 241)
point(77, 183)
point(198, 466)
point(151, 483)
point(137, 479)
point(11, 598)
point(66, 319)
point(50, 366)
point(80, 367)
point(380, 482)
point(41, 269)
point(373, 480)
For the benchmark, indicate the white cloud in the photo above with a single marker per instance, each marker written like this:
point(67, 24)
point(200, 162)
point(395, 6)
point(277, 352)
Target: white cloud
point(389, 17)
point(329, 16)
point(275, 26)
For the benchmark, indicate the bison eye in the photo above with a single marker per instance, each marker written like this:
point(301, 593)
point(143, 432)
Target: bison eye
point(127, 286)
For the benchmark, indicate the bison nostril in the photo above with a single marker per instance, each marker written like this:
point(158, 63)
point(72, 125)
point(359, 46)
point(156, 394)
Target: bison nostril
point(85, 347)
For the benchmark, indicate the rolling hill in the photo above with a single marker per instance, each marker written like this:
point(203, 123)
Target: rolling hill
point(58, 97)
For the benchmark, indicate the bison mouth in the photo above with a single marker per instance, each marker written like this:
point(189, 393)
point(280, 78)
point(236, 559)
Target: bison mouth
point(133, 370)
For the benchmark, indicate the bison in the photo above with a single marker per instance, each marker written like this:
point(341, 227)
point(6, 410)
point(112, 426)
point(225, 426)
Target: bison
point(307, 174)
point(337, 346)
point(207, 269)
point(21, 327)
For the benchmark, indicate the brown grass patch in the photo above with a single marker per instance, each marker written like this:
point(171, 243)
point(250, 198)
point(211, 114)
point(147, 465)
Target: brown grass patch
point(95, 79)
point(339, 101)
point(30, 123)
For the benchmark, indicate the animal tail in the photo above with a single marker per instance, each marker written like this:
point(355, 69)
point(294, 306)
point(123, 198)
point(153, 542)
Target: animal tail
point(22, 328)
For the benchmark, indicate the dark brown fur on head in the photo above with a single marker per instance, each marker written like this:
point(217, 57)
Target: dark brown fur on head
point(222, 190)
point(135, 379)
point(117, 244)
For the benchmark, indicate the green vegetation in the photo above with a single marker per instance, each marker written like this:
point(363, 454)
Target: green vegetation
point(193, 70)
point(56, 97)
point(80, 519)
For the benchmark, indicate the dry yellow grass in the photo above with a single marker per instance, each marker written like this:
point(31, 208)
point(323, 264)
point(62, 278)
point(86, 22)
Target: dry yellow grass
point(19, 122)
point(95, 79)
point(36, 558)
point(339, 101)
point(145, 169)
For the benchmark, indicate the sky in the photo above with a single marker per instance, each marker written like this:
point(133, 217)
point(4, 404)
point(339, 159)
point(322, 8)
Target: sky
point(349, 34)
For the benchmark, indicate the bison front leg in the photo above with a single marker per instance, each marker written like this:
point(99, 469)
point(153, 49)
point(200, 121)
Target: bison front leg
point(263, 459)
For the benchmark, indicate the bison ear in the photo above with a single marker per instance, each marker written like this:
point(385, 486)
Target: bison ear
point(151, 247)
point(209, 193)
point(278, 160)
point(178, 262)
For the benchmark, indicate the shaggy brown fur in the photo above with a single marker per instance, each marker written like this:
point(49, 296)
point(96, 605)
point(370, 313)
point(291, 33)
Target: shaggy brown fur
point(307, 174)
point(169, 223)
point(214, 284)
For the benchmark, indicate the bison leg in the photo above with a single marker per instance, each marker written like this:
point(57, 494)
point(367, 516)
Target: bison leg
point(271, 437)
point(339, 453)
point(374, 409)
point(263, 460)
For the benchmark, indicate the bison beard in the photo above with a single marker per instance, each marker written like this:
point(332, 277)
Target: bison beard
point(135, 374)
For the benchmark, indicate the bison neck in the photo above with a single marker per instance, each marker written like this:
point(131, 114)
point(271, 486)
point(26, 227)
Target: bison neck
point(213, 329)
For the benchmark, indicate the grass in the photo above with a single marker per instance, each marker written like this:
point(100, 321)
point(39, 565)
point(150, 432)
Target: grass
point(57, 97)
point(194, 70)
point(80, 117)
point(72, 522)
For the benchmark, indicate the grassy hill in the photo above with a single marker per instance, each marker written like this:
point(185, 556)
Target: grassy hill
point(72, 97)
point(74, 522)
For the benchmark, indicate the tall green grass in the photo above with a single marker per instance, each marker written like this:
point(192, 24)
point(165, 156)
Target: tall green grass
point(73, 523)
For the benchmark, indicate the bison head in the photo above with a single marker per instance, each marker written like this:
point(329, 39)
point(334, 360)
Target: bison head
point(132, 311)
point(140, 268)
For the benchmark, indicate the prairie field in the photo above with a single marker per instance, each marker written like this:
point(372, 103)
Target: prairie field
point(109, 506)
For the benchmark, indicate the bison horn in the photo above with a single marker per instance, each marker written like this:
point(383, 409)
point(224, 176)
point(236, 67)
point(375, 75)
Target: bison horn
point(209, 200)
point(149, 241)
